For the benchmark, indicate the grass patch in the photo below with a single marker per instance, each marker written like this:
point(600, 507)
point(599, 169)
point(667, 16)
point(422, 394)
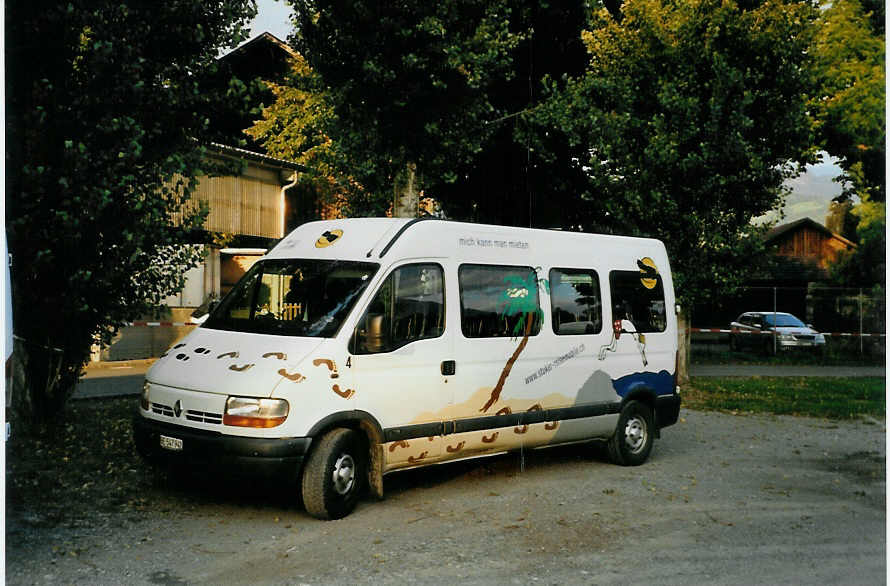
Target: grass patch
point(835, 398)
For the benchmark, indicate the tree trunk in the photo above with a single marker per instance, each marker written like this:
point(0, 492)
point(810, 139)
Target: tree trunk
point(684, 346)
point(406, 199)
point(42, 383)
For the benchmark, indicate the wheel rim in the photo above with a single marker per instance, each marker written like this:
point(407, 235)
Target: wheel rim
point(343, 475)
point(635, 434)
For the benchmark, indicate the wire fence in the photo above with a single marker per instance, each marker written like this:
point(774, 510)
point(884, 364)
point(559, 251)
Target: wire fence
point(848, 322)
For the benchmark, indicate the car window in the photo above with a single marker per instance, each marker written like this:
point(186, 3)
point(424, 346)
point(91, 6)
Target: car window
point(575, 301)
point(499, 301)
point(638, 300)
point(409, 306)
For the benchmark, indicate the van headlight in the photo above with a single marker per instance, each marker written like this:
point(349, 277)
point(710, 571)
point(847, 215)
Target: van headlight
point(254, 412)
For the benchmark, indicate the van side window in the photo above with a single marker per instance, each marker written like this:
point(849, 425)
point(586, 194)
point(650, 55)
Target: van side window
point(499, 301)
point(639, 300)
point(409, 306)
point(575, 302)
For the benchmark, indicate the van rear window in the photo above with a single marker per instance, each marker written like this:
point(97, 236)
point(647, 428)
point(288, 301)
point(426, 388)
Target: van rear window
point(639, 300)
point(293, 297)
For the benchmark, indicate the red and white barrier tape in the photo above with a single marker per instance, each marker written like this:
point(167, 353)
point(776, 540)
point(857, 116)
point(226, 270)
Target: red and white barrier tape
point(157, 324)
point(750, 333)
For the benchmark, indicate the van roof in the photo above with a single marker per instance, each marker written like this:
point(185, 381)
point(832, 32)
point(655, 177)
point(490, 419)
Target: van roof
point(379, 239)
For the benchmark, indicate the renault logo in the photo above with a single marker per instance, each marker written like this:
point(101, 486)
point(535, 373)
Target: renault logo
point(177, 408)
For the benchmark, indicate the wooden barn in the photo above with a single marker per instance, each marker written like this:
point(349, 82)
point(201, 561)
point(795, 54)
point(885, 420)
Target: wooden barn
point(808, 242)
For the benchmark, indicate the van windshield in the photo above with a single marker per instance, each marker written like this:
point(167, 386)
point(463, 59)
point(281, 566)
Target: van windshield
point(296, 297)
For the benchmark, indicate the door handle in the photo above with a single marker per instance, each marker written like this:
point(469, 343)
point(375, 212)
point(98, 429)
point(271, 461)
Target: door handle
point(448, 367)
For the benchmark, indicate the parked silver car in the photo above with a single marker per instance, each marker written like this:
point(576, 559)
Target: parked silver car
point(757, 329)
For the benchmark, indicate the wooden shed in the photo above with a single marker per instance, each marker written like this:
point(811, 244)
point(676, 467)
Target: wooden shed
point(808, 242)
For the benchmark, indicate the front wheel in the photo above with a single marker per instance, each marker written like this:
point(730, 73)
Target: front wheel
point(334, 475)
point(632, 441)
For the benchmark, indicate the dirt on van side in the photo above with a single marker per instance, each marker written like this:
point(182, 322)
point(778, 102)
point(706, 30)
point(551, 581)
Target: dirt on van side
point(724, 499)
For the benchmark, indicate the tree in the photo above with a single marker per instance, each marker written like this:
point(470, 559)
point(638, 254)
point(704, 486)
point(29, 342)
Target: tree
point(295, 127)
point(849, 104)
point(105, 105)
point(690, 117)
point(866, 266)
point(408, 83)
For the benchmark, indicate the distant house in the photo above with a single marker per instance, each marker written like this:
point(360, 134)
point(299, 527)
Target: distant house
point(788, 280)
point(809, 243)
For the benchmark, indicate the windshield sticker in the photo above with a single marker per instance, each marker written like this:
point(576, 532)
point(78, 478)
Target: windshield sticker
point(328, 237)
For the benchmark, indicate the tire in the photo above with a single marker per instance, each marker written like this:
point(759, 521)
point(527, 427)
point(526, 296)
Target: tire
point(334, 475)
point(634, 434)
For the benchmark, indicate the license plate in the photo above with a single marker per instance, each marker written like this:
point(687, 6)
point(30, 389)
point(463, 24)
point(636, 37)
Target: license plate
point(171, 443)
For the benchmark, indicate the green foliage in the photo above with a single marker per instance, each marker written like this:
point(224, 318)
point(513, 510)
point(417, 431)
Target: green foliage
point(690, 117)
point(866, 266)
point(836, 398)
point(295, 127)
point(849, 104)
point(105, 115)
point(407, 83)
point(437, 87)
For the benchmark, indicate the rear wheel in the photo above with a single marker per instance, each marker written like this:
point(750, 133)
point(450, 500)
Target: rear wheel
point(334, 475)
point(632, 442)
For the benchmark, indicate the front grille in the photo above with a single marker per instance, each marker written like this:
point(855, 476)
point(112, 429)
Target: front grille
point(805, 337)
point(191, 414)
point(164, 410)
point(203, 417)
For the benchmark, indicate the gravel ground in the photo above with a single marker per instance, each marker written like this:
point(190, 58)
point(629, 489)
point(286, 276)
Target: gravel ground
point(724, 499)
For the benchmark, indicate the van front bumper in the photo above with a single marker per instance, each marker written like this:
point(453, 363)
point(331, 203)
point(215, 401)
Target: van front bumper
point(278, 458)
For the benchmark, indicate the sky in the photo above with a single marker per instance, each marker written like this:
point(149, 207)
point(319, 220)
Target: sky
point(811, 192)
point(273, 16)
